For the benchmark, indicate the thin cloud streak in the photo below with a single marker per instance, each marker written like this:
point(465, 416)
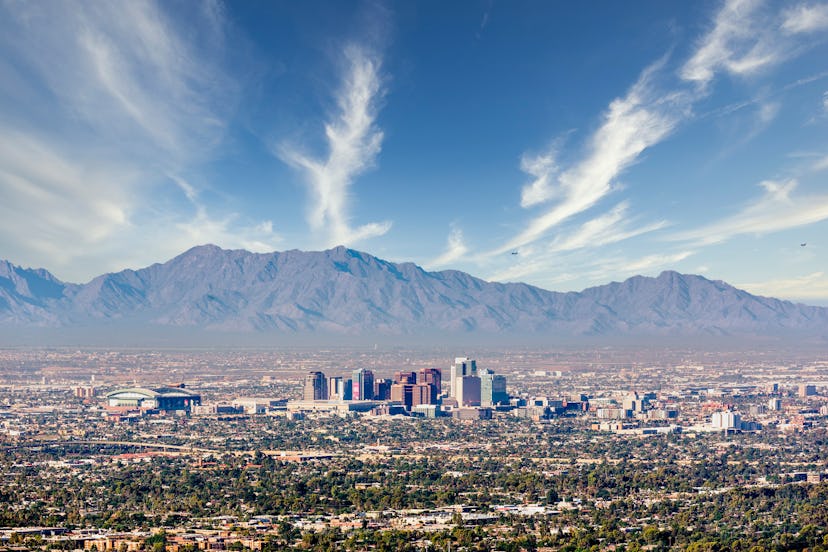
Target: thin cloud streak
point(631, 124)
point(806, 19)
point(744, 39)
point(113, 99)
point(354, 141)
point(734, 44)
point(809, 287)
point(455, 249)
point(603, 230)
point(611, 227)
point(776, 210)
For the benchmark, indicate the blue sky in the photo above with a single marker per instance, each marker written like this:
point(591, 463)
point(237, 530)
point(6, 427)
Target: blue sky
point(594, 140)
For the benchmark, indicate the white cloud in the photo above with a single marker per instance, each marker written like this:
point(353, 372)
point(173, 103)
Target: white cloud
point(744, 39)
point(806, 18)
point(809, 287)
point(543, 168)
point(821, 164)
point(76, 204)
point(777, 209)
point(101, 102)
point(651, 262)
point(608, 228)
point(225, 231)
point(631, 124)
point(583, 270)
point(455, 249)
point(354, 141)
point(128, 73)
point(736, 44)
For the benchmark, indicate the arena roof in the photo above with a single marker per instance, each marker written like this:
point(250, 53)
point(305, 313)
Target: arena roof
point(144, 393)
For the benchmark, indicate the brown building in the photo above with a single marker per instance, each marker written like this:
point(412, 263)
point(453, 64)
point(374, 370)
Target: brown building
point(405, 377)
point(423, 393)
point(403, 393)
point(432, 376)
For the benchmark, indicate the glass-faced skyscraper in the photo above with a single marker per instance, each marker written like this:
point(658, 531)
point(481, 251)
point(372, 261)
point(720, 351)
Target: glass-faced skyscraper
point(363, 385)
point(492, 389)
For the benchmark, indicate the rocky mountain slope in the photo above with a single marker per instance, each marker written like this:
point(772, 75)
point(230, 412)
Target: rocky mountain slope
point(349, 292)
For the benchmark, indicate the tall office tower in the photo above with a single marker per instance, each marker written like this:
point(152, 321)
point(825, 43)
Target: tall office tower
point(463, 366)
point(807, 390)
point(315, 387)
point(468, 391)
point(402, 393)
point(382, 389)
point(422, 393)
point(432, 376)
point(363, 385)
point(347, 389)
point(336, 388)
point(405, 377)
point(493, 389)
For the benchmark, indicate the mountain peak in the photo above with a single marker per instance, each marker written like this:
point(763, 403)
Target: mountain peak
point(345, 291)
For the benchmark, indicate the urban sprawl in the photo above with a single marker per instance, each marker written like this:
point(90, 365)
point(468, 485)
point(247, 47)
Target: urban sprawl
point(348, 449)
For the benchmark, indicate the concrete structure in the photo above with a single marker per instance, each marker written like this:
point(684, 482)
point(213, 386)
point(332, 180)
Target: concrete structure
point(423, 393)
point(336, 389)
point(163, 398)
point(634, 402)
point(472, 413)
point(463, 366)
point(402, 393)
point(316, 388)
point(426, 410)
point(726, 420)
point(405, 377)
point(806, 390)
point(332, 407)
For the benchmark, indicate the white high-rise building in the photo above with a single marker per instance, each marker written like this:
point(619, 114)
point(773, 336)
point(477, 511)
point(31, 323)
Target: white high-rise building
point(463, 366)
point(726, 420)
point(336, 388)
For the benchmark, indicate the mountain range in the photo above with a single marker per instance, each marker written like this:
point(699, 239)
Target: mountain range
point(347, 292)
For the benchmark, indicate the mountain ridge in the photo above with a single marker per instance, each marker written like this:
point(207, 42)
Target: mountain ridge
point(349, 292)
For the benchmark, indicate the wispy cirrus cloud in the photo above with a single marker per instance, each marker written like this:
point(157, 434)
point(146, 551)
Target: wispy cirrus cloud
point(611, 227)
point(225, 230)
point(745, 38)
point(354, 141)
point(455, 249)
point(806, 18)
point(99, 104)
point(777, 209)
point(739, 43)
point(809, 287)
point(614, 226)
point(630, 125)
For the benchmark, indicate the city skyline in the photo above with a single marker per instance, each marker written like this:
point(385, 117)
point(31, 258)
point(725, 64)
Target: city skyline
point(556, 145)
